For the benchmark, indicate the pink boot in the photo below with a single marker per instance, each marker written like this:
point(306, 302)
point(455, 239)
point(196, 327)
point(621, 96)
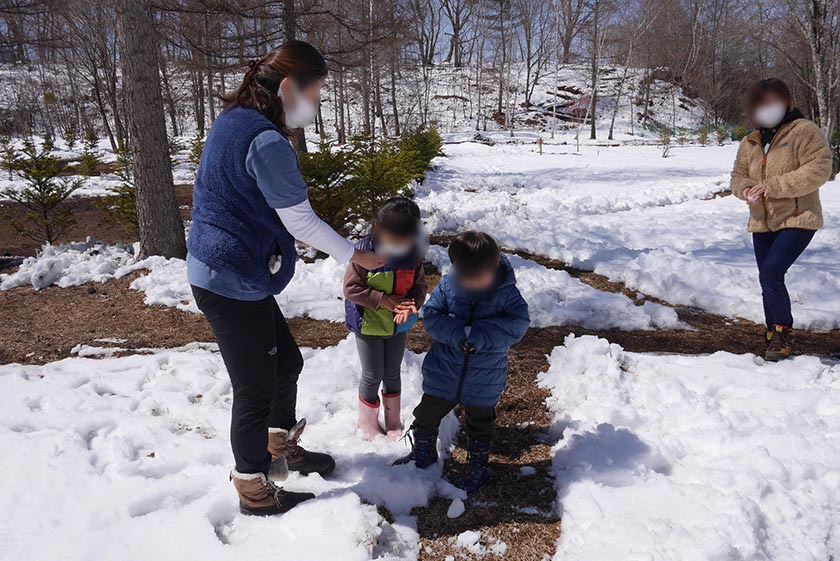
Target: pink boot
point(393, 426)
point(369, 419)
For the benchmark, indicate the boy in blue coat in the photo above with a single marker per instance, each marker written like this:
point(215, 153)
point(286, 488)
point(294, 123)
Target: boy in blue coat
point(474, 315)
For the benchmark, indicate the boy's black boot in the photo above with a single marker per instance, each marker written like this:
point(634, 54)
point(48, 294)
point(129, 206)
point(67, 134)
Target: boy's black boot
point(478, 474)
point(423, 448)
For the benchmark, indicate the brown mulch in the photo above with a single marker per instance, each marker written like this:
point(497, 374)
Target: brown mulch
point(43, 326)
point(90, 221)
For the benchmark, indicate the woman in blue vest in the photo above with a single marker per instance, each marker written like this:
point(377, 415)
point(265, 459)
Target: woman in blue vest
point(250, 204)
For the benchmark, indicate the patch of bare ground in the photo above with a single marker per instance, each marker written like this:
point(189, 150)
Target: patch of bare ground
point(90, 220)
point(43, 326)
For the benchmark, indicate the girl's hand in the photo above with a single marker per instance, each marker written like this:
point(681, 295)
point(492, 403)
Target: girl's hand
point(393, 303)
point(407, 306)
point(367, 260)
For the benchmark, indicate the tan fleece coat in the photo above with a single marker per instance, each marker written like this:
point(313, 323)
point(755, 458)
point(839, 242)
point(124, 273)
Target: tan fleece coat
point(796, 166)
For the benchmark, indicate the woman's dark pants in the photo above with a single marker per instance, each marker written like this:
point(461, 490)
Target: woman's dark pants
point(775, 252)
point(263, 362)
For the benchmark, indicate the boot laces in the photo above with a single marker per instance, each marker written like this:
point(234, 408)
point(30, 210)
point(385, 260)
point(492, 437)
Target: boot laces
point(277, 493)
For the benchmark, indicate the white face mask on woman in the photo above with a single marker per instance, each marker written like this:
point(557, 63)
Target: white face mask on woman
point(301, 112)
point(770, 115)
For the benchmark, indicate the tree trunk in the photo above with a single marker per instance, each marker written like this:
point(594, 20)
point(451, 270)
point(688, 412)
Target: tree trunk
point(595, 52)
point(161, 228)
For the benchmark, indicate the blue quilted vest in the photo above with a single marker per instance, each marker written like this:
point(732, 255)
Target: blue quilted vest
point(234, 229)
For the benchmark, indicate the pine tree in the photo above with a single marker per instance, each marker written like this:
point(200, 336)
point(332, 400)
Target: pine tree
point(422, 144)
point(90, 159)
point(121, 202)
point(196, 148)
point(43, 196)
point(49, 141)
point(71, 136)
point(8, 156)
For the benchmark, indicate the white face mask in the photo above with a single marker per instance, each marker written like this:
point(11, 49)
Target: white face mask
point(303, 112)
point(392, 250)
point(770, 115)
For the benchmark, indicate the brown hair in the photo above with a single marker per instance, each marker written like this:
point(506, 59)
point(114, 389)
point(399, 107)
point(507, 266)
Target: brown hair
point(764, 88)
point(294, 59)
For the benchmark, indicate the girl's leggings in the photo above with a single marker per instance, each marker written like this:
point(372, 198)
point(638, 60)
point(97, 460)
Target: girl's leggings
point(775, 252)
point(381, 360)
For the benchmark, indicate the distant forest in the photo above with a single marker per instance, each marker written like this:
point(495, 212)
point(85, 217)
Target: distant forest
point(68, 53)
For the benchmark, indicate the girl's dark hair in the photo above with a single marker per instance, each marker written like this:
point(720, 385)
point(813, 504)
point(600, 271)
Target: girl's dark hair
point(399, 216)
point(472, 253)
point(764, 88)
point(295, 59)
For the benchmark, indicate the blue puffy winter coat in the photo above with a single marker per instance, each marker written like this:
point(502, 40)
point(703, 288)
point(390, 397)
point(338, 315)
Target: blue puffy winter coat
point(497, 320)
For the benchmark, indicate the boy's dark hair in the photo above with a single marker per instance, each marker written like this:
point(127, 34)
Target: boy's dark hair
point(473, 252)
point(399, 216)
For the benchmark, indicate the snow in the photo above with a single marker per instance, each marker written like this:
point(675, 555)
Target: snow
point(70, 265)
point(471, 542)
point(715, 457)
point(104, 456)
point(456, 508)
point(625, 212)
point(556, 298)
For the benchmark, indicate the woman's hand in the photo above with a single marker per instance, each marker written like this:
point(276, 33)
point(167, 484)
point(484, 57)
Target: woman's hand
point(367, 260)
point(754, 193)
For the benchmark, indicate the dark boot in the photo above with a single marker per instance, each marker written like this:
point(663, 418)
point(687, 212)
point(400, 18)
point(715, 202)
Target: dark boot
point(282, 442)
point(781, 345)
point(259, 496)
point(478, 474)
point(423, 448)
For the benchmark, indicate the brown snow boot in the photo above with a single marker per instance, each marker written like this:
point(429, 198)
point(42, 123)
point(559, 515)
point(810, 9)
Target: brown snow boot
point(282, 442)
point(781, 345)
point(258, 496)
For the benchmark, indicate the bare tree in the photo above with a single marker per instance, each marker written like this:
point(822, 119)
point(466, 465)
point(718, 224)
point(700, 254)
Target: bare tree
point(161, 228)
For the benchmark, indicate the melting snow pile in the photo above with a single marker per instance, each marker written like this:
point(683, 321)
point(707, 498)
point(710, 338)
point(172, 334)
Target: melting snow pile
point(709, 458)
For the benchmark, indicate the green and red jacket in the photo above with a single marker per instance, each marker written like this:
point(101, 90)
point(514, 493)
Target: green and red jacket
point(364, 291)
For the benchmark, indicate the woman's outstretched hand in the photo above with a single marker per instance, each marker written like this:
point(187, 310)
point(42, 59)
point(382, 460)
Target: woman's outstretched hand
point(367, 260)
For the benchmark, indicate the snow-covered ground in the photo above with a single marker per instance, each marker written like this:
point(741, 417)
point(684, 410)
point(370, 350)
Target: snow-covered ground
point(128, 458)
point(556, 298)
point(706, 458)
point(652, 223)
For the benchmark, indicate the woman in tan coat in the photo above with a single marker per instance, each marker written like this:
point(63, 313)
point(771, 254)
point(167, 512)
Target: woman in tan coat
point(779, 170)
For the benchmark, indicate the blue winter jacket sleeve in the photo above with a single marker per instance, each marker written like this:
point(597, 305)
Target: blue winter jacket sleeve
point(504, 330)
point(440, 326)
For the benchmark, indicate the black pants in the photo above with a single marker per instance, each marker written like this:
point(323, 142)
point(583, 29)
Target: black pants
point(480, 421)
point(263, 362)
